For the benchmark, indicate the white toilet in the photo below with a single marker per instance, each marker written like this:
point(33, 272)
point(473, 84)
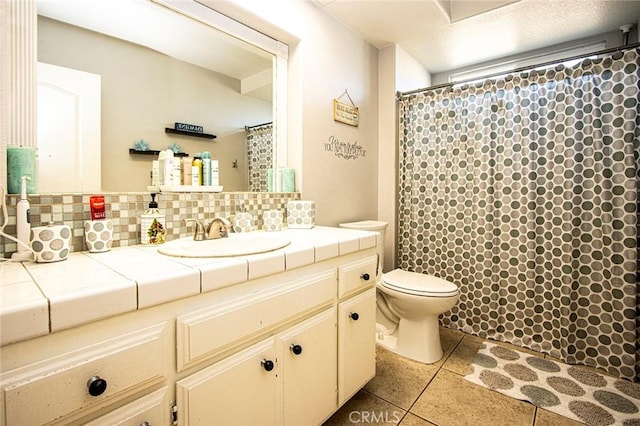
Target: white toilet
point(408, 305)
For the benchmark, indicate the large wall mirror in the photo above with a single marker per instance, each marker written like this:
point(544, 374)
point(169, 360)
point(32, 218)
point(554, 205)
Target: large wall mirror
point(153, 63)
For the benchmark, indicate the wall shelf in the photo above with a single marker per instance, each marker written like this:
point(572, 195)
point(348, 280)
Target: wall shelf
point(155, 153)
point(185, 133)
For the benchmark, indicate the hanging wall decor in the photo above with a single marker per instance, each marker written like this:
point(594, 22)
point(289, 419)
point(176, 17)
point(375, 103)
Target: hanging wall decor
point(345, 113)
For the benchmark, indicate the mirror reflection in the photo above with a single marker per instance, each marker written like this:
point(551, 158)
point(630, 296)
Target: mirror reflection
point(142, 68)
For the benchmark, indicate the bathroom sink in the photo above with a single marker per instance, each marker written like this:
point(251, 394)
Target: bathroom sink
point(235, 245)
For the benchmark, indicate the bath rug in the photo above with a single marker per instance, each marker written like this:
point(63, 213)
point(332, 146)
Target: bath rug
point(575, 392)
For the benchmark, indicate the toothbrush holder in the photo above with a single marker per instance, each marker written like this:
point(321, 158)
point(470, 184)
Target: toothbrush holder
point(98, 235)
point(272, 220)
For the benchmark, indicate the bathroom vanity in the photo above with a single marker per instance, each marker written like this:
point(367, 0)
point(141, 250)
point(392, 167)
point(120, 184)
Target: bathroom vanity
point(136, 337)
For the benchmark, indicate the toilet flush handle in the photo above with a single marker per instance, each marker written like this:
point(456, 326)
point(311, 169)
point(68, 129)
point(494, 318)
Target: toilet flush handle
point(365, 276)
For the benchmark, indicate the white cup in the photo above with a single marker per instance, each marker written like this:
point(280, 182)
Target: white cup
point(98, 235)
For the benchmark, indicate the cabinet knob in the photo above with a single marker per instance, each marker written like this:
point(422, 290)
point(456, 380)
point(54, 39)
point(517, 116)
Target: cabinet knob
point(354, 316)
point(365, 276)
point(145, 424)
point(96, 386)
point(296, 349)
point(267, 364)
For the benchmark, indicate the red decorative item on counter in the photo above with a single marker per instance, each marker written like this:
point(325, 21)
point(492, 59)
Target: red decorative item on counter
point(96, 203)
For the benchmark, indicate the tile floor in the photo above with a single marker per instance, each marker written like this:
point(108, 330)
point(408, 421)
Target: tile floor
point(410, 393)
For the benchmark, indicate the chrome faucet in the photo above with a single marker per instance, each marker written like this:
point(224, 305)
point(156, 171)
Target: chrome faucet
point(218, 228)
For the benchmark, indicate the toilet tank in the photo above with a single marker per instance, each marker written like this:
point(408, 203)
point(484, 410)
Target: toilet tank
point(372, 225)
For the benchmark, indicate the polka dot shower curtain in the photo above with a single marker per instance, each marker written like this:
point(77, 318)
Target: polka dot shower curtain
point(524, 192)
point(259, 156)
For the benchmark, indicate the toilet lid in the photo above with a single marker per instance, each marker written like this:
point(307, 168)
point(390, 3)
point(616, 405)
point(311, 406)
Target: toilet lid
point(418, 284)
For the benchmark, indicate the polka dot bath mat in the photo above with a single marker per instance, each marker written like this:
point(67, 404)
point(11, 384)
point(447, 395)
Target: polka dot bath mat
point(575, 392)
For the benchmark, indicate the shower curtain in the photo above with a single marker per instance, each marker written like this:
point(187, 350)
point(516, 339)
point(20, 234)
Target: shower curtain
point(523, 191)
point(259, 155)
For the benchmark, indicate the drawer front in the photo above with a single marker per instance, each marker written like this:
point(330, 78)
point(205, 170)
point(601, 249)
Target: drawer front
point(357, 275)
point(153, 409)
point(204, 333)
point(59, 387)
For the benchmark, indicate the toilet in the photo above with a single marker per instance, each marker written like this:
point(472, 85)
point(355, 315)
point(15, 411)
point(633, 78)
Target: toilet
point(408, 305)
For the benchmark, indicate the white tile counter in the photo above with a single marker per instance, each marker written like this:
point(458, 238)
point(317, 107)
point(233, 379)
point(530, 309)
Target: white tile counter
point(41, 298)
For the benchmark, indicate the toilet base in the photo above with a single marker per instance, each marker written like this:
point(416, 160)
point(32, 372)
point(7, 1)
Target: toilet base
point(417, 340)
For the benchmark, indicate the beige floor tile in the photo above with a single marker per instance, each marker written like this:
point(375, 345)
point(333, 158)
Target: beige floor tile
point(413, 420)
point(365, 408)
point(449, 339)
point(463, 355)
point(547, 418)
point(451, 400)
point(399, 380)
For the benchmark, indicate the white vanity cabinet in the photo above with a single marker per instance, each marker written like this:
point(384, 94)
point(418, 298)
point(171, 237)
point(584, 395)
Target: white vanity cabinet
point(284, 349)
point(286, 379)
point(298, 375)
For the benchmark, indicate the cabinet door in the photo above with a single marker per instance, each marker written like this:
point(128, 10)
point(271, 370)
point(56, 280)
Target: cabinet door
point(356, 343)
point(239, 390)
point(309, 364)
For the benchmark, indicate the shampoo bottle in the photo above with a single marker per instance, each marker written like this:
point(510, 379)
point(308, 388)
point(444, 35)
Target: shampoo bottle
point(152, 230)
point(206, 168)
point(196, 170)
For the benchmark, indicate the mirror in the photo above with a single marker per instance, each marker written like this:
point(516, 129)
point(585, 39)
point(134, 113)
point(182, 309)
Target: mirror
point(156, 67)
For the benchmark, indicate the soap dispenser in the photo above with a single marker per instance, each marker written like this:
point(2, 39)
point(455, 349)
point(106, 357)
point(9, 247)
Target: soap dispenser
point(152, 230)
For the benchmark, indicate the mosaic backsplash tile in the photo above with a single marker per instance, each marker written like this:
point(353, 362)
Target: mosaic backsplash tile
point(124, 209)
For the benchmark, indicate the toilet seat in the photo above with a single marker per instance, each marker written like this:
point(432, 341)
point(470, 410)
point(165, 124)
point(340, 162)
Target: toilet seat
point(418, 284)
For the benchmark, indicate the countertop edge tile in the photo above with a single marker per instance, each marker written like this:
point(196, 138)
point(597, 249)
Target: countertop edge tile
point(326, 250)
point(24, 321)
point(299, 256)
point(263, 264)
point(154, 290)
point(68, 310)
point(218, 275)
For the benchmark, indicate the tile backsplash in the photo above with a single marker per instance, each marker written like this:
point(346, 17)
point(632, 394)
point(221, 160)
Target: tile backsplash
point(125, 209)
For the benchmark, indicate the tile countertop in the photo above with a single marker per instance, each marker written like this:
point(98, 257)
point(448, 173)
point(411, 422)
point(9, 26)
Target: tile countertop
point(41, 298)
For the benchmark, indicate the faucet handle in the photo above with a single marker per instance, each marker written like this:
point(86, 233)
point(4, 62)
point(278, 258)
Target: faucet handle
point(198, 234)
point(218, 228)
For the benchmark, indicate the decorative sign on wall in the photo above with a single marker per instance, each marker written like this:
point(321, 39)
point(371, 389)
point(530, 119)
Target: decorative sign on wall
point(188, 127)
point(346, 150)
point(345, 113)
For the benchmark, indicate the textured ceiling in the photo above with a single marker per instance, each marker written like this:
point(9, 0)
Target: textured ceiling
point(449, 34)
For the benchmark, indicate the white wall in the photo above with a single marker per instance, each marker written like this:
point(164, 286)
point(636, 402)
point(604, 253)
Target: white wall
point(325, 58)
point(397, 71)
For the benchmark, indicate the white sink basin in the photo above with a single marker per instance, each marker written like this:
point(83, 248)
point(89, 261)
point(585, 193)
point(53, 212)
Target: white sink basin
point(235, 245)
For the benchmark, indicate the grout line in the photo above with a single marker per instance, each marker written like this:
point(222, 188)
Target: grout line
point(440, 368)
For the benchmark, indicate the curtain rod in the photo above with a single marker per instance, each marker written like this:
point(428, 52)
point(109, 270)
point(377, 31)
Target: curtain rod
point(257, 125)
point(399, 94)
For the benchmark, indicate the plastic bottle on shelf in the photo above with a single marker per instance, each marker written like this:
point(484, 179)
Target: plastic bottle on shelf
point(206, 168)
point(196, 170)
